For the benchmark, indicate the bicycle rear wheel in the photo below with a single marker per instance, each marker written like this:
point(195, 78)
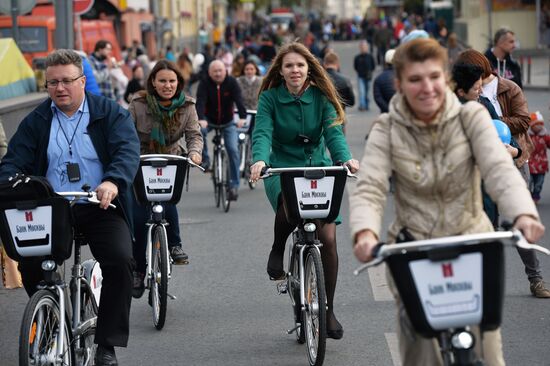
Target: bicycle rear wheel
point(224, 187)
point(40, 331)
point(159, 282)
point(216, 178)
point(84, 346)
point(315, 313)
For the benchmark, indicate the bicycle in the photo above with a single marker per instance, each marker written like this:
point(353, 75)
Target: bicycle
point(160, 178)
point(310, 195)
point(221, 174)
point(245, 147)
point(59, 321)
point(450, 284)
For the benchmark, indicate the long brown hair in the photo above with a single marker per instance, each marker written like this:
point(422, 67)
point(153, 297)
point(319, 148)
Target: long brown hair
point(316, 75)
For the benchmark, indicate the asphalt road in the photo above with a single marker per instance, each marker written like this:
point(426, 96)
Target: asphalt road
point(227, 312)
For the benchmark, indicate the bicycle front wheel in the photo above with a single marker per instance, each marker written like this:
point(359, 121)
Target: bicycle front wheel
point(159, 280)
point(216, 174)
point(248, 163)
point(41, 333)
point(315, 314)
point(225, 182)
point(84, 346)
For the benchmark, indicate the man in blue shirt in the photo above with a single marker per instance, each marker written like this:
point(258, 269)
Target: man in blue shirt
point(74, 138)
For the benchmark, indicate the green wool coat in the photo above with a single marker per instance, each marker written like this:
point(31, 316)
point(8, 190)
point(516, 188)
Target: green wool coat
point(280, 121)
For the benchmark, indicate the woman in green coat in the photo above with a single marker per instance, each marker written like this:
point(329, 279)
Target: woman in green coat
point(299, 116)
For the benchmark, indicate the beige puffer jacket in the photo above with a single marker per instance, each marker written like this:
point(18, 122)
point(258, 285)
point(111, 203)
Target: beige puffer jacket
point(187, 126)
point(437, 180)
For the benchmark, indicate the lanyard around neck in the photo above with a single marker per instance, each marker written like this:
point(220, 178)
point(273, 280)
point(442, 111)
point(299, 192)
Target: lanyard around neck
point(70, 142)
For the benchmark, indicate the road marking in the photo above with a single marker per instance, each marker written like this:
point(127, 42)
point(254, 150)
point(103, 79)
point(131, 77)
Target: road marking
point(391, 340)
point(378, 283)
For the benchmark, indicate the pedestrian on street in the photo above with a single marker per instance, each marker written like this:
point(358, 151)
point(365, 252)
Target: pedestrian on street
point(468, 81)
point(100, 60)
point(343, 86)
point(364, 66)
point(299, 117)
point(438, 185)
point(500, 56)
point(217, 97)
point(538, 163)
point(510, 104)
point(104, 149)
point(163, 115)
point(383, 88)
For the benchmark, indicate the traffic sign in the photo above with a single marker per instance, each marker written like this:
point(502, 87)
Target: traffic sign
point(23, 6)
point(82, 6)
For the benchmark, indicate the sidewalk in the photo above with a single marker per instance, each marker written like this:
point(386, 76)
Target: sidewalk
point(535, 68)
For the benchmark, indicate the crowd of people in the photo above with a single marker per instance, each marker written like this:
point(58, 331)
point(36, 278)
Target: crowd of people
point(300, 96)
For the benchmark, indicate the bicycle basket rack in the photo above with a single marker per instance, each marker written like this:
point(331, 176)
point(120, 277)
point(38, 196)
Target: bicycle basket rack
point(160, 180)
point(312, 194)
point(35, 228)
point(451, 287)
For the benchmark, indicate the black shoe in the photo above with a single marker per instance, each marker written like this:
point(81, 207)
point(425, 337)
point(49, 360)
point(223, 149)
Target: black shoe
point(178, 255)
point(233, 194)
point(275, 266)
point(334, 330)
point(105, 356)
point(139, 285)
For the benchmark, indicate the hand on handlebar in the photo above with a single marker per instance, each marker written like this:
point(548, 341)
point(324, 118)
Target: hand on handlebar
point(256, 170)
point(240, 123)
point(203, 123)
point(365, 242)
point(195, 158)
point(353, 165)
point(532, 229)
point(106, 192)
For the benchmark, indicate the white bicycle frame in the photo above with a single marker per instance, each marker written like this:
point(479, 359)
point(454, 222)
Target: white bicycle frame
point(158, 208)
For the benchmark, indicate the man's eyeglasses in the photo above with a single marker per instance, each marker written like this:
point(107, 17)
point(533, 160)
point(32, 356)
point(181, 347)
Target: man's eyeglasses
point(66, 82)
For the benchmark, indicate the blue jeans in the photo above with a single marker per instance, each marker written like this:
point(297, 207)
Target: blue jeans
point(231, 140)
point(363, 84)
point(535, 185)
point(141, 215)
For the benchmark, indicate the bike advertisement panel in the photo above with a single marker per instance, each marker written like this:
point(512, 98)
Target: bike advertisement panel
point(451, 291)
point(31, 230)
point(314, 196)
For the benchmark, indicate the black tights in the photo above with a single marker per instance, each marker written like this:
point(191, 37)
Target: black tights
point(329, 255)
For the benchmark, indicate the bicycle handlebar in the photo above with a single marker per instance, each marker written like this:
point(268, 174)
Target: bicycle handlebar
point(268, 172)
point(91, 197)
point(513, 237)
point(166, 157)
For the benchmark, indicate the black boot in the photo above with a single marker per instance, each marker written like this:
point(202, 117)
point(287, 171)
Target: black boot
point(282, 230)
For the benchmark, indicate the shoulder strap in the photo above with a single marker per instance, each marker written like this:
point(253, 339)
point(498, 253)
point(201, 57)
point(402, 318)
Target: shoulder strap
point(468, 137)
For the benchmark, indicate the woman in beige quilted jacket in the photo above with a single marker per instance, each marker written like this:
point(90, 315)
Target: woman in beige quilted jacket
point(435, 149)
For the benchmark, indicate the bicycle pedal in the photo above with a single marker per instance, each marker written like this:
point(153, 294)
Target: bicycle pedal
point(282, 287)
point(172, 297)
